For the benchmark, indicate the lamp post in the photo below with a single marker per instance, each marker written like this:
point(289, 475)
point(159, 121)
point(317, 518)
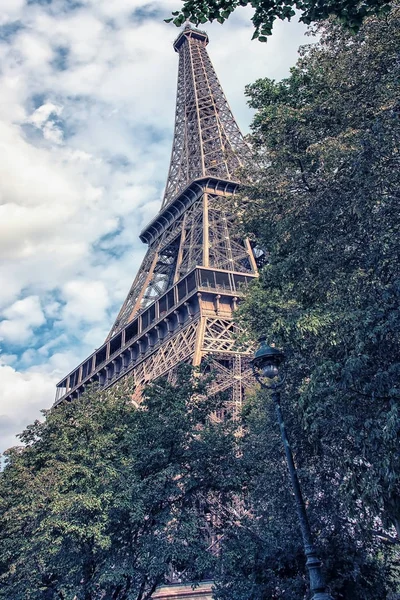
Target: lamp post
point(266, 363)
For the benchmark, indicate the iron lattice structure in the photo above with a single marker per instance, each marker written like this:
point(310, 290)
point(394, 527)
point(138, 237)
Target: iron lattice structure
point(180, 306)
point(207, 140)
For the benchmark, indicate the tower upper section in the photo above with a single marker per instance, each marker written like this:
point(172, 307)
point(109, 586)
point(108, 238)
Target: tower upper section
point(207, 140)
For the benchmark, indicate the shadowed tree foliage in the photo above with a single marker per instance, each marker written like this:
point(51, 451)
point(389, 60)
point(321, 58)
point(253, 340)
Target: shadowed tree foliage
point(262, 553)
point(322, 203)
point(106, 499)
point(351, 13)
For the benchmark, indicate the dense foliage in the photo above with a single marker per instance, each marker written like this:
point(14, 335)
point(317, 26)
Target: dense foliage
point(322, 201)
point(105, 500)
point(262, 553)
point(350, 13)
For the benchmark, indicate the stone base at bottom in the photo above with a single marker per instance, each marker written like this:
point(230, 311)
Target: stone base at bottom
point(184, 591)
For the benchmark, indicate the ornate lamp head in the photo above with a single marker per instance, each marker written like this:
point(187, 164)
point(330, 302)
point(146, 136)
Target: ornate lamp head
point(266, 362)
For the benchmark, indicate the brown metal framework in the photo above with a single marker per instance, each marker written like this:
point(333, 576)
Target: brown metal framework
point(207, 140)
point(180, 306)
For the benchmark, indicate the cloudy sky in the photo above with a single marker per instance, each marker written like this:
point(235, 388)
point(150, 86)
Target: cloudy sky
point(87, 93)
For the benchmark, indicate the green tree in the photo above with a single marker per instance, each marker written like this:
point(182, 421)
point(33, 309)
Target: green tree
point(105, 499)
point(262, 553)
point(321, 203)
point(350, 13)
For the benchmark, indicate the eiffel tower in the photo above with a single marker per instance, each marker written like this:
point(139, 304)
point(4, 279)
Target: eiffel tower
point(181, 304)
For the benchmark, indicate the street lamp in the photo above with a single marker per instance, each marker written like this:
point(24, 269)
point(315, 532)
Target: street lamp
point(266, 363)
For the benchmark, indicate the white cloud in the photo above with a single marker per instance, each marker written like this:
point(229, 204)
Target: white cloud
point(20, 319)
point(22, 396)
point(86, 122)
point(85, 301)
point(33, 50)
point(41, 114)
point(41, 119)
point(10, 10)
point(9, 359)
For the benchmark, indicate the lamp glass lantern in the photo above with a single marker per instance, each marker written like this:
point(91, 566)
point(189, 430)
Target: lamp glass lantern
point(267, 360)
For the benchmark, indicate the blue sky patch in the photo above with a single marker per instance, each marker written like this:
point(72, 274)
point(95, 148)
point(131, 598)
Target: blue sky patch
point(68, 4)
point(8, 30)
point(60, 60)
point(147, 12)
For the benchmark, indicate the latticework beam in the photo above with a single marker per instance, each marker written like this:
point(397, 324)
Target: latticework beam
point(207, 140)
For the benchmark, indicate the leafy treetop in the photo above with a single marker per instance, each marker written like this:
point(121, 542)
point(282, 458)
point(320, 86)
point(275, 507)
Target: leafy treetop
point(351, 13)
point(105, 499)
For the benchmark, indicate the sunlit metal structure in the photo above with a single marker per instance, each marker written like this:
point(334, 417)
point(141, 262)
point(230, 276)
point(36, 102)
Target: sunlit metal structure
point(182, 301)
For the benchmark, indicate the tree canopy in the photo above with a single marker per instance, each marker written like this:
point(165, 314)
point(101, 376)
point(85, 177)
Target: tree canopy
point(262, 553)
point(105, 500)
point(321, 200)
point(109, 501)
point(351, 13)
